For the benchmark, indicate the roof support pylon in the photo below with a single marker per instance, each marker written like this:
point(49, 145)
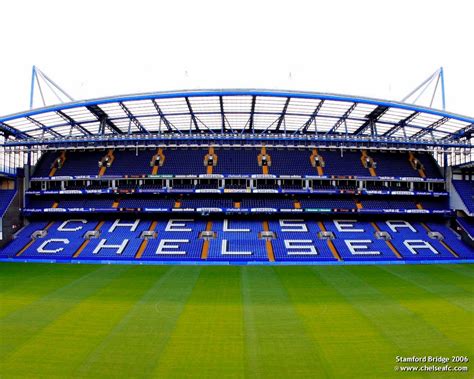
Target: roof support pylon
point(437, 76)
point(59, 93)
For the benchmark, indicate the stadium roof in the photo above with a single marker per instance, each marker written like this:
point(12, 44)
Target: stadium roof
point(230, 112)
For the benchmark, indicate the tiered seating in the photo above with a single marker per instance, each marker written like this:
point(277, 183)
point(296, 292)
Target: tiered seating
point(375, 204)
point(177, 240)
point(355, 240)
point(393, 164)
point(267, 203)
point(206, 203)
point(450, 239)
point(291, 162)
point(402, 204)
point(347, 165)
point(146, 203)
point(433, 204)
point(43, 167)
point(298, 240)
point(237, 240)
point(22, 238)
point(37, 202)
point(237, 162)
point(81, 163)
point(431, 168)
point(467, 223)
point(403, 232)
point(6, 197)
point(128, 162)
point(183, 162)
point(119, 239)
point(465, 189)
point(329, 202)
point(59, 244)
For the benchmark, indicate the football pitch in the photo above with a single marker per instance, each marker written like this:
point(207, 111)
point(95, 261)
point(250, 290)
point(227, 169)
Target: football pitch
point(238, 321)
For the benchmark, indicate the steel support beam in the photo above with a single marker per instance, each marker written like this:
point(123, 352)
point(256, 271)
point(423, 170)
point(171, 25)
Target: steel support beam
point(73, 123)
point(193, 116)
point(165, 121)
point(431, 128)
point(283, 113)
point(342, 119)
point(103, 118)
point(400, 124)
point(221, 104)
point(44, 127)
point(130, 115)
point(313, 116)
point(252, 113)
point(8, 130)
point(372, 118)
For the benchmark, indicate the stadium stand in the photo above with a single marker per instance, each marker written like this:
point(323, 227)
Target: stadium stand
point(465, 189)
point(6, 197)
point(467, 224)
point(238, 240)
point(430, 166)
point(79, 163)
point(129, 162)
point(250, 193)
point(235, 162)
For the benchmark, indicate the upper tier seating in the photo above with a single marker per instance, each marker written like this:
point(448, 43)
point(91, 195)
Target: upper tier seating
point(287, 162)
point(128, 162)
point(465, 189)
point(43, 167)
point(237, 161)
point(183, 162)
point(393, 164)
point(431, 168)
point(79, 163)
point(349, 164)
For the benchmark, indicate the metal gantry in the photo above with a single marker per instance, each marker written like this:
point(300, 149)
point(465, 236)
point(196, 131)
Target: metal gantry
point(223, 114)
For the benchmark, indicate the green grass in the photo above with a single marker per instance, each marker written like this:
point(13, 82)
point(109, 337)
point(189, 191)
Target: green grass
point(223, 322)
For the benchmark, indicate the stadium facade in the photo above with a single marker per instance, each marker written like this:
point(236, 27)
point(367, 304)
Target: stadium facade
point(237, 176)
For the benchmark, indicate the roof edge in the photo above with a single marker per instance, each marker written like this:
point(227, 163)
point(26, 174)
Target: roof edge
point(238, 92)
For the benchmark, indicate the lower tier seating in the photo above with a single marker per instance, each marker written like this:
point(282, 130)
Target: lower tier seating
point(467, 224)
point(181, 239)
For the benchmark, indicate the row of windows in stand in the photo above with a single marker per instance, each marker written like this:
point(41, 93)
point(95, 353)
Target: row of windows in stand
point(240, 184)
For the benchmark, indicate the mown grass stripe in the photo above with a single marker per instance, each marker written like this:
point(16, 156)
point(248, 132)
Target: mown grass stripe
point(207, 339)
point(396, 323)
point(20, 327)
point(144, 330)
point(277, 341)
